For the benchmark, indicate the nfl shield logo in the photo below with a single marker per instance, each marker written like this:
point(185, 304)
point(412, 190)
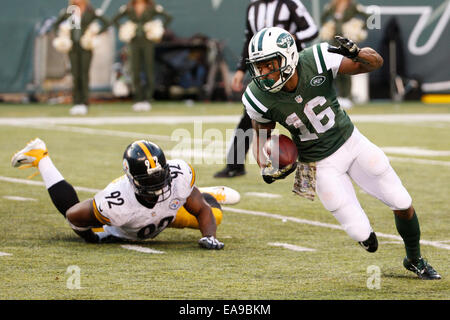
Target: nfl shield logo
point(299, 99)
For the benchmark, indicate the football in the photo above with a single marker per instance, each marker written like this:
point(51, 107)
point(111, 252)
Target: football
point(281, 150)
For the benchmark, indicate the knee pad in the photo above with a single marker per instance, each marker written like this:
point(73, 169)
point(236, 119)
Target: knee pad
point(358, 231)
point(330, 193)
point(401, 201)
point(394, 194)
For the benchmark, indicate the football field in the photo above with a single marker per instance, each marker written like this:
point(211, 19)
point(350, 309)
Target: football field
point(277, 245)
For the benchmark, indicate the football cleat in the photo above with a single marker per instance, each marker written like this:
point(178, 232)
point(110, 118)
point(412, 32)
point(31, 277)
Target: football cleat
point(30, 156)
point(142, 106)
point(79, 110)
point(229, 172)
point(421, 267)
point(371, 244)
point(222, 194)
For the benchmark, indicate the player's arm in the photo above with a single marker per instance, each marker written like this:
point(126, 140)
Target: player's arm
point(198, 207)
point(356, 60)
point(268, 172)
point(262, 132)
point(81, 218)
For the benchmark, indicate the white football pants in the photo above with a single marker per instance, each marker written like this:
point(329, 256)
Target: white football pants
point(367, 165)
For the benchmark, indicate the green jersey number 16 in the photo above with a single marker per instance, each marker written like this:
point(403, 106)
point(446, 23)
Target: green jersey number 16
point(314, 119)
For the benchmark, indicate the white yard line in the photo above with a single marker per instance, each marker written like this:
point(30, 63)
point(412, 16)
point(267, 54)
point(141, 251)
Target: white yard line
point(263, 195)
point(40, 183)
point(141, 249)
point(3, 254)
point(367, 118)
point(290, 246)
point(416, 151)
point(16, 198)
point(217, 155)
point(436, 244)
point(421, 161)
point(119, 120)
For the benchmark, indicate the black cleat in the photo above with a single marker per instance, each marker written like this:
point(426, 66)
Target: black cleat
point(421, 267)
point(230, 172)
point(371, 244)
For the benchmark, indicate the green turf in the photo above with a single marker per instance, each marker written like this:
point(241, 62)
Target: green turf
point(43, 246)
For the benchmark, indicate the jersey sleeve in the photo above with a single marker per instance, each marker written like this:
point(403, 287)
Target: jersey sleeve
point(254, 107)
point(110, 204)
point(332, 60)
point(183, 174)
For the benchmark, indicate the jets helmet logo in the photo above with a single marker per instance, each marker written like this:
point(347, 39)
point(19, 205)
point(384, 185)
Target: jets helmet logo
point(285, 40)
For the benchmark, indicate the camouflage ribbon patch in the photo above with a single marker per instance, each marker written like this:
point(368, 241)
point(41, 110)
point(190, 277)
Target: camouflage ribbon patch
point(305, 180)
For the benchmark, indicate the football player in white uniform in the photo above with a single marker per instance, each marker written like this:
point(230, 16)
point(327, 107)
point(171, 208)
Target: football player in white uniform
point(152, 195)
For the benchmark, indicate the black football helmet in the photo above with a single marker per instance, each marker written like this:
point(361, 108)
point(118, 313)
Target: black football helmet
point(145, 165)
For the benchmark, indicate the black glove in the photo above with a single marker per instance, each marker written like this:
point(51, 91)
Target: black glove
point(347, 48)
point(271, 174)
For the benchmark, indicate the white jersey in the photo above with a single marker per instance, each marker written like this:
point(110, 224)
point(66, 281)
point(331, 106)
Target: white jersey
point(117, 207)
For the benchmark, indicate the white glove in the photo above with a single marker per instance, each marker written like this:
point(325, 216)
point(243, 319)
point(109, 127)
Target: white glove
point(210, 243)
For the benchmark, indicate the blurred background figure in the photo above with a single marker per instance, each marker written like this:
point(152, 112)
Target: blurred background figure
point(290, 15)
point(141, 31)
point(77, 29)
point(345, 18)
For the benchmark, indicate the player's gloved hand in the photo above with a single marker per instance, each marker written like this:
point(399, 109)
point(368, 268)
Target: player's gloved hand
point(270, 174)
point(210, 242)
point(347, 48)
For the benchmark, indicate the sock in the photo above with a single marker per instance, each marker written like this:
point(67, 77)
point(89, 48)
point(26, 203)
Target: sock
point(409, 230)
point(63, 196)
point(49, 172)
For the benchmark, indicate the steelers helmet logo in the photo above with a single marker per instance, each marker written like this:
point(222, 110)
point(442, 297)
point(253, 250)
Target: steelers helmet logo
point(126, 167)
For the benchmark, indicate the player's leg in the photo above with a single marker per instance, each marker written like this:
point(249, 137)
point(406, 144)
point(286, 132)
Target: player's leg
point(238, 149)
point(63, 195)
point(372, 171)
point(86, 58)
point(186, 220)
point(75, 62)
point(336, 192)
point(35, 154)
point(149, 60)
point(136, 67)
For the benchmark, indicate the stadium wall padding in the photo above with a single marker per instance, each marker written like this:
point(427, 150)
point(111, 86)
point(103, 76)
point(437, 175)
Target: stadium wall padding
point(225, 20)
